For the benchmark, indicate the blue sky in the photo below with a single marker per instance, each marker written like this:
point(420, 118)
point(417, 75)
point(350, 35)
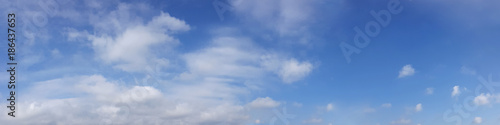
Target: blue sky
point(247, 62)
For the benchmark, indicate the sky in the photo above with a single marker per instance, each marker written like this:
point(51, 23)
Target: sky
point(254, 62)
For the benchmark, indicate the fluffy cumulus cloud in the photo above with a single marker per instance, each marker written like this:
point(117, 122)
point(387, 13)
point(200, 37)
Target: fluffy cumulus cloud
point(289, 70)
point(485, 99)
point(264, 103)
point(407, 70)
point(456, 91)
point(130, 49)
point(418, 108)
point(482, 99)
point(293, 70)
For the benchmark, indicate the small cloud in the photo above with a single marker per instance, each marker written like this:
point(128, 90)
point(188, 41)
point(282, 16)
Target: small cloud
point(478, 120)
point(294, 70)
point(456, 91)
point(289, 70)
point(418, 108)
point(387, 105)
point(74, 35)
point(407, 70)
point(264, 103)
point(482, 99)
point(429, 91)
point(329, 107)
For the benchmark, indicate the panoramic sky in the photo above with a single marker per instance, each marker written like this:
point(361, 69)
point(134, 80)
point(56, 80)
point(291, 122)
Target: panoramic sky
point(254, 62)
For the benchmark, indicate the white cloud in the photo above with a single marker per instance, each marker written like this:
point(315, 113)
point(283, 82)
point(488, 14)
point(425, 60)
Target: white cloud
point(239, 57)
point(401, 122)
point(387, 105)
point(75, 35)
point(139, 93)
point(482, 99)
point(264, 103)
point(126, 53)
point(293, 70)
point(197, 96)
point(456, 91)
point(226, 56)
point(329, 107)
point(289, 70)
point(85, 98)
point(407, 70)
point(418, 108)
point(205, 90)
point(115, 34)
point(429, 91)
point(204, 94)
point(478, 120)
point(486, 99)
